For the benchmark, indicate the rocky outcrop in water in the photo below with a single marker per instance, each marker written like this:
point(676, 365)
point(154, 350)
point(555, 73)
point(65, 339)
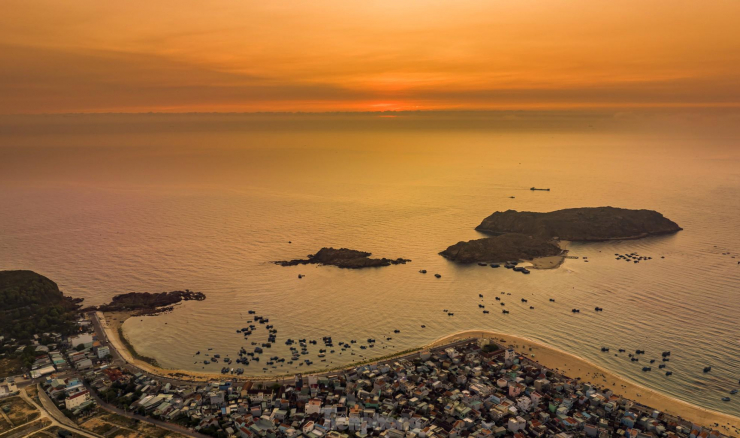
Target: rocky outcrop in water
point(501, 249)
point(146, 303)
point(343, 258)
point(580, 224)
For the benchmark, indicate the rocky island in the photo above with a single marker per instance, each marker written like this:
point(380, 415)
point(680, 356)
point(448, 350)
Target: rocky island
point(145, 303)
point(525, 235)
point(501, 248)
point(343, 258)
point(580, 224)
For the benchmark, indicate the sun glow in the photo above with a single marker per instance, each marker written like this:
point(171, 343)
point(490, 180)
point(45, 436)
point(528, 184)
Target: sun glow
point(365, 56)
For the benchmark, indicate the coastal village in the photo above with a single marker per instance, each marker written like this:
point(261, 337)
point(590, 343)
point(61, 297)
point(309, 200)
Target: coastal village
point(467, 388)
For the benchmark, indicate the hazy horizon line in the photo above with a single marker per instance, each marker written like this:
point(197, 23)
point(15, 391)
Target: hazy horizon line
point(672, 108)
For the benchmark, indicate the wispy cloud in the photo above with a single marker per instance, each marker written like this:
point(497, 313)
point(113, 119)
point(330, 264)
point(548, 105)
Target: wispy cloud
point(331, 55)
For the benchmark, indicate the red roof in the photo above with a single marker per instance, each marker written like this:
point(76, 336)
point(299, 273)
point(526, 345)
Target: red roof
point(81, 393)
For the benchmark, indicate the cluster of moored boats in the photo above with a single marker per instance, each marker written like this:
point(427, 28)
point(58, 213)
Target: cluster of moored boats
point(633, 257)
point(424, 271)
point(525, 301)
point(665, 357)
point(298, 348)
point(245, 357)
point(508, 265)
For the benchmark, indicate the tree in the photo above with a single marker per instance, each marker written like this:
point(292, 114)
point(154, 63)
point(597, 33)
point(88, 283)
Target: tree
point(490, 348)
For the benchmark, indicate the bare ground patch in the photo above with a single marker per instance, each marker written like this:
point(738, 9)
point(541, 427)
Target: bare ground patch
point(113, 425)
point(18, 411)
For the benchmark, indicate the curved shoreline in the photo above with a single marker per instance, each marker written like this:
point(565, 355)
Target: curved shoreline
point(550, 357)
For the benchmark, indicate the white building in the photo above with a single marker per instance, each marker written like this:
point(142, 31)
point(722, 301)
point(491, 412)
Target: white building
point(510, 357)
point(313, 406)
point(103, 351)
point(76, 399)
point(42, 371)
point(524, 403)
point(516, 424)
point(85, 339)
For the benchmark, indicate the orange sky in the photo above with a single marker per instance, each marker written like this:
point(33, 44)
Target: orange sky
point(366, 55)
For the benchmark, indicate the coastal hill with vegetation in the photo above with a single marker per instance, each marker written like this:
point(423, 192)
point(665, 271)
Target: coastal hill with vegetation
point(500, 249)
point(343, 258)
point(580, 224)
point(31, 303)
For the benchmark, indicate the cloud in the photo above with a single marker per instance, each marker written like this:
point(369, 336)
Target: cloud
point(34, 80)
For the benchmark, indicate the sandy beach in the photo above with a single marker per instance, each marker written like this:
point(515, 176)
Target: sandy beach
point(552, 358)
point(552, 262)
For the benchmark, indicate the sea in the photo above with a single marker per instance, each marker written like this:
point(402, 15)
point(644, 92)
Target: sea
point(117, 203)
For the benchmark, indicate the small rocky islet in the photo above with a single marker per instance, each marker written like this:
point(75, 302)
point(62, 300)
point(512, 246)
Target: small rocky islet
point(343, 258)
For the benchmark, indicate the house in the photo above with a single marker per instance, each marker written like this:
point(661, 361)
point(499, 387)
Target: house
point(85, 339)
point(7, 388)
point(84, 364)
point(524, 403)
point(515, 389)
point(516, 424)
point(103, 352)
point(76, 399)
point(42, 371)
point(313, 406)
point(536, 398)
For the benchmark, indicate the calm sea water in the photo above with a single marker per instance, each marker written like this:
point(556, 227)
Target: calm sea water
point(110, 205)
